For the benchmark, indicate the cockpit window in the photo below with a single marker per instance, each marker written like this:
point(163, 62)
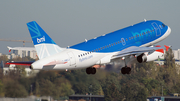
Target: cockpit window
point(163, 25)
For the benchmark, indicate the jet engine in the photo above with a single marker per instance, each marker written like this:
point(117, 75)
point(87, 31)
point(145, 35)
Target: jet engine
point(146, 57)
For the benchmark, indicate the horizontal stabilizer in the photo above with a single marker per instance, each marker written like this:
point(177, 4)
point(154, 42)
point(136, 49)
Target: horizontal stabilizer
point(25, 63)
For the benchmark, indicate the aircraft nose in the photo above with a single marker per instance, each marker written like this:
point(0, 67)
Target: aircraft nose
point(169, 29)
point(168, 32)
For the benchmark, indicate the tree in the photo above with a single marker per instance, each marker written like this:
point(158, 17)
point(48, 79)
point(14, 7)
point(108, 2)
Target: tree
point(1, 89)
point(47, 88)
point(169, 58)
point(141, 96)
point(3, 58)
point(64, 87)
point(14, 89)
point(37, 89)
point(112, 93)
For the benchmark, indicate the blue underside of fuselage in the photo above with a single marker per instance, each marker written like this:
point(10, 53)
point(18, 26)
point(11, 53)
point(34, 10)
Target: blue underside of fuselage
point(136, 35)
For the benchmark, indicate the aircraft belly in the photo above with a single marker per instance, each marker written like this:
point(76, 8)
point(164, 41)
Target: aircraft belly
point(90, 60)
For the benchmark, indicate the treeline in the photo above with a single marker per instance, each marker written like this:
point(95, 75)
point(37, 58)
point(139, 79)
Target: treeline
point(146, 79)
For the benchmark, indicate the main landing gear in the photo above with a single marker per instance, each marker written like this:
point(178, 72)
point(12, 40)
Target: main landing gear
point(91, 70)
point(126, 70)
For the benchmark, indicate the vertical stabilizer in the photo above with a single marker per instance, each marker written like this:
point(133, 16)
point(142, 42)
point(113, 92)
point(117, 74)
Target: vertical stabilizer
point(44, 45)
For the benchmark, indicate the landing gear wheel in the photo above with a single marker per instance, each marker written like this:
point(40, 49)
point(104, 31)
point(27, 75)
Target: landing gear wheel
point(88, 70)
point(91, 70)
point(126, 70)
point(123, 70)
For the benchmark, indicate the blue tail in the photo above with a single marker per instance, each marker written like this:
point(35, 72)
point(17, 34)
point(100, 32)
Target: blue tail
point(44, 45)
point(38, 35)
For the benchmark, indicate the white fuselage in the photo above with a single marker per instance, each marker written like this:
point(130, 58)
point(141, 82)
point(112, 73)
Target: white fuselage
point(76, 59)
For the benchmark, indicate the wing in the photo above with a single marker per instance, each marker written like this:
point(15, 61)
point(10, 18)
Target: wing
point(134, 50)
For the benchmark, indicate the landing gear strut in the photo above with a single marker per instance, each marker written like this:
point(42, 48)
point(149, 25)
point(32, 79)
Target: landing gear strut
point(91, 70)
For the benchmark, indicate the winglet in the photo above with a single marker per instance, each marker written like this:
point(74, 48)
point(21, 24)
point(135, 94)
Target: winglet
point(9, 48)
point(167, 47)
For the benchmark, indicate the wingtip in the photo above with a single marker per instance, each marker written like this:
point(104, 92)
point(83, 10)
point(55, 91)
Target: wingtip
point(167, 47)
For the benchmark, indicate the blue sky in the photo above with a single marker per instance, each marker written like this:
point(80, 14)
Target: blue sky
point(69, 22)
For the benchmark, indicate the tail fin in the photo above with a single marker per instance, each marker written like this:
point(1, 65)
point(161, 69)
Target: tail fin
point(44, 45)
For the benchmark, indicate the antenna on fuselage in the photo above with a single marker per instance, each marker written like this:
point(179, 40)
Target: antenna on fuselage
point(86, 40)
point(145, 20)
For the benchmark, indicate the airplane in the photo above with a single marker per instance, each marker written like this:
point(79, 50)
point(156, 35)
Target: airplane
point(131, 44)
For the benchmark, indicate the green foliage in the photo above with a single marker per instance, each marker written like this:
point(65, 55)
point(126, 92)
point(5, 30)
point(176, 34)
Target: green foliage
point(47, 88)
point(169, 58)
point(1, 88)
point(3, 58)
point(12, 88)
point(146, 79)
point(112, 93)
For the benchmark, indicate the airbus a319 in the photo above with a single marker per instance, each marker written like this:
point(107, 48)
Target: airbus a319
point(132, 44)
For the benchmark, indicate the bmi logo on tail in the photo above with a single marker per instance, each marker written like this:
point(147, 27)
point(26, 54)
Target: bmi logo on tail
point(41, 39)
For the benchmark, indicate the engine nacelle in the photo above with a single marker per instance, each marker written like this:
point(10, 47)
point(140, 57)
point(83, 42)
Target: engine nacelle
point(142, 58)
point(150, 57)
point(155, 55)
